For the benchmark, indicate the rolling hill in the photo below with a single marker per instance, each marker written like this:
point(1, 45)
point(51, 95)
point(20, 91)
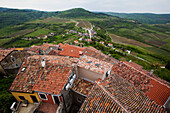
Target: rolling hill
point(148, 18)
point(17, 16)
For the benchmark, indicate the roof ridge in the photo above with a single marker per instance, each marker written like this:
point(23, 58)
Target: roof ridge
point(111, 96)
point(147, 75)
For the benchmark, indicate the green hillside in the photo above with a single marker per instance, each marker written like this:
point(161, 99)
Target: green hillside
point(80, 13)
point(16, 16)
point(147, 18)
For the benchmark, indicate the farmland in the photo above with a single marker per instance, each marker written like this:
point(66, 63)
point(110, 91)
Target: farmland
point(119, 39)
point(85, 24)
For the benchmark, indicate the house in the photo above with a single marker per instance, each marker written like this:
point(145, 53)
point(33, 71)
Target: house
point(88, 66)
point(46, 48)
point(11, 60)
point(89, 40)
point(116, 95)
point(71, 51)
point(42, 49)
point(101, 42)
point(44, 77)
point(93, 52)
point(76, 42)
point(149, 84)
point(80, 90)
point(110, 45)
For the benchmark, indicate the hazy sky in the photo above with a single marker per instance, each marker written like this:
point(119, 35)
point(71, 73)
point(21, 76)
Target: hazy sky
point(135, 6)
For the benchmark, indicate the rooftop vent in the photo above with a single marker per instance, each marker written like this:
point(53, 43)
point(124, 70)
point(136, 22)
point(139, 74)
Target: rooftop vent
point(80, 52)
point(71, 50)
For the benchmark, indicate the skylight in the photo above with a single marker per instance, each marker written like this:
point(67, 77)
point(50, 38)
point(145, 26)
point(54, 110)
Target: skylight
point(89, 62)
point(97, 64)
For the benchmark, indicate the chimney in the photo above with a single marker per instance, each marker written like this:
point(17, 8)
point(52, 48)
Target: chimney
point(43, 62)
point(151, 72)
point(130, 61)
point(121, 63)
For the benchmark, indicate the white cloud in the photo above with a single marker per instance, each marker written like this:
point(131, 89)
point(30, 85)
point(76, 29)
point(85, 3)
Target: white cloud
point(155, 6)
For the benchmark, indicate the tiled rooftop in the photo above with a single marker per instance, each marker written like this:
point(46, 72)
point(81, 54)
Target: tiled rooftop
point(46, 46)
point(94, 64)
point(98, 101)
point(53, 52)
point(47, 108)
point(82, 86)
point(90, 51)
point(114, 93)
point(4, 53)
point(153, 88)
point(43, 47)
point(71, 50)
point(33, 77)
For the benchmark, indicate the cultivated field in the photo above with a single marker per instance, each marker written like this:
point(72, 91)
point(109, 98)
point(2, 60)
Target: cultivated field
point(38, 32)
point(119, 39)
point(22, 32)
point(52, 20)
point(85, 24)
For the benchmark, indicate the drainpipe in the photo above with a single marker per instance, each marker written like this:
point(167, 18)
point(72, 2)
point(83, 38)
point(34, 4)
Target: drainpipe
point(64, 103)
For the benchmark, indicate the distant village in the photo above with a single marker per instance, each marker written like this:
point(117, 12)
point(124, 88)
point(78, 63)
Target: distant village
point(67, 78)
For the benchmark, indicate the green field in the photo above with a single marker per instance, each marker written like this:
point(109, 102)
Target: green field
point(43, 31)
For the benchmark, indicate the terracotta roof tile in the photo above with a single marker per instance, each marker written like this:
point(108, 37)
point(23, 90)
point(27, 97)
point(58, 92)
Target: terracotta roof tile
point(144, 82)
point(32, 76)
point(90, 51)
point(71, 50)
point(82, 86)
point(4, 53)
point(94, 64)
point(114, 93)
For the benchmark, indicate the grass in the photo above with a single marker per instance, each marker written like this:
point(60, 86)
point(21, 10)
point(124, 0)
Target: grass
point(157, 50)
point(38, 32)
point(85, 24)
point(22, 32)
point(51, 20)
point(3, 41)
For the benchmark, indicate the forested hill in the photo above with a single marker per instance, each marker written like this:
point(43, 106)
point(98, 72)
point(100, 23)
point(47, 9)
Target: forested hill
point(81, 13)
point(148, 18)
point(17, 16)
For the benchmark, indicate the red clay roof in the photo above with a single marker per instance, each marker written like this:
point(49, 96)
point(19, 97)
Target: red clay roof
point(49, 79)
point(115, 95)
point(45, 46)
point(82, 86)
point(53, 52)
point(94, 64)
point(151, 86)
point(71, 50)
point(4, 53)
point(93, 52)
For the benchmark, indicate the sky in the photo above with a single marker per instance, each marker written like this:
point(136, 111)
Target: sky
point(122, 6)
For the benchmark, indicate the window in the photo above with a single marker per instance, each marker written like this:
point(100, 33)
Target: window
point(43, 96)
point(79, 100)
point(22, 97)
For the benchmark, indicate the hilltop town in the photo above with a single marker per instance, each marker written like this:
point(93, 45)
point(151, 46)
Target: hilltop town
point(67, 78)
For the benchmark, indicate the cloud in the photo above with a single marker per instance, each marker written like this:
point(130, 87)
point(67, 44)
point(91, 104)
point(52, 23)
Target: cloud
point(155, 6)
